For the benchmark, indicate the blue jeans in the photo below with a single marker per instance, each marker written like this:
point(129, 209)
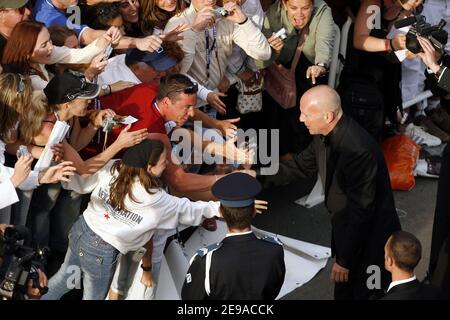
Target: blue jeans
point(89, 257)
point(53, 211)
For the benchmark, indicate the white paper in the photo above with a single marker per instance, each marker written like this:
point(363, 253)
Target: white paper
point(401, 54)
point(59, 132)
point(128, 120)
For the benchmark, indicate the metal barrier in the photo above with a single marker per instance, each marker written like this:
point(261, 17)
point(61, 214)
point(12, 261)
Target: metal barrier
point(334, 66)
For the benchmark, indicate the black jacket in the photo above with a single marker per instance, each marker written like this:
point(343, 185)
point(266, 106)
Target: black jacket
point(441, 86)
point(413, 290)
point(358, 194)
point(243, 268)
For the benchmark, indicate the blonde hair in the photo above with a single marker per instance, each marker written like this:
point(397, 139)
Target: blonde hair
point(31, 122)
point(15, 96)
point(18, 104)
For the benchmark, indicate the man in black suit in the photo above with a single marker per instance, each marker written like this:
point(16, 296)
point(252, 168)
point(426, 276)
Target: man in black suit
point(402, 254)
point(438, 80)
point(241, 267)
point(357, 189)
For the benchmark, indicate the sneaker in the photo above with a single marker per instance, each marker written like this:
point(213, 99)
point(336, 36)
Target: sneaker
point(429, 126)
point(422, 169)
point(440, 117)
point(421, 137)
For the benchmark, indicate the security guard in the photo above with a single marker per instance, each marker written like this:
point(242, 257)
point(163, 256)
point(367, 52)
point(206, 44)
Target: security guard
point(241, 267)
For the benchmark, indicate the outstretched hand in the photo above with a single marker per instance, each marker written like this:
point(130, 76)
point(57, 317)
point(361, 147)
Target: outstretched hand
point(260, 205)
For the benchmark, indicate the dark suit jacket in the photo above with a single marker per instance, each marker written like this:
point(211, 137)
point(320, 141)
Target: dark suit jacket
point(413, 290)
point(243, 268)
point(358, 194)
point(441, 87)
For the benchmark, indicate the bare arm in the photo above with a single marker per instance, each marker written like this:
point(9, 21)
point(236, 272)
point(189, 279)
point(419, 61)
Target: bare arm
point(147, 277)
point(126, 139)
point(362, 39)
point(179, 181)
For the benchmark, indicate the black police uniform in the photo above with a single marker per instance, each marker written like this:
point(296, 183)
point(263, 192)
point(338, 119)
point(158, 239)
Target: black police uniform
point(241, 267)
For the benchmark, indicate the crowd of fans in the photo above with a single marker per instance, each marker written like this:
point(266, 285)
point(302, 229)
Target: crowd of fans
point(168, 63)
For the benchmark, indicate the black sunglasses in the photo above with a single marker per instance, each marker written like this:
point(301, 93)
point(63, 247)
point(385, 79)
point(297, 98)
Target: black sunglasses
point(73, 94)
point(191, 89)
point(24, 7)
point(21, 85)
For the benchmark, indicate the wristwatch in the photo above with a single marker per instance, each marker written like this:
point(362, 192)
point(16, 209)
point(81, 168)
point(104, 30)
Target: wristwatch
point(146, 269)
point(323, 65)
point(106, 88)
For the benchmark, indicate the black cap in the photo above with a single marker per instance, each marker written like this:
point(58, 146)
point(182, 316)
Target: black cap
point(138, 156)
point(236, 190)
point(159, 61)
point(67, 87)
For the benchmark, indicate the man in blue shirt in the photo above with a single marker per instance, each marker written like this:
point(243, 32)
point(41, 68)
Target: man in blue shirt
point(54, 13)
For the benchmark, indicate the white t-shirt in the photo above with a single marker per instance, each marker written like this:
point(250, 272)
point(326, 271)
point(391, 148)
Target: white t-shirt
point(128, 230)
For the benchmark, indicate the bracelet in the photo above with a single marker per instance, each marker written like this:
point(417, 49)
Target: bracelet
point(109, 89)
point(391, 45)
point(146, 269)
point(387, 45)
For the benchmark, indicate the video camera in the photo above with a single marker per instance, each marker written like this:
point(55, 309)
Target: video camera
point(436, 34)
point(22, 264)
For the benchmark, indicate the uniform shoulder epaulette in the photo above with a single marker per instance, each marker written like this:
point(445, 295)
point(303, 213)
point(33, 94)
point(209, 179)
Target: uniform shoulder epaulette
point(274, 240)
point(212, 247)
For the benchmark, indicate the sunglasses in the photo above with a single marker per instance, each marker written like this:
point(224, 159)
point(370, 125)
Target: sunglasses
point(74, 94)
point(24, 8)
point(21, 86)
point(189, 89)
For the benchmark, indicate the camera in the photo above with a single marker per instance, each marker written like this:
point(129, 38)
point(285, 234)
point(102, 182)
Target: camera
point(220, 12)
point(22, 152)
point(281, 34)
point(419, 27)
point(108, 124)
point(22, 264)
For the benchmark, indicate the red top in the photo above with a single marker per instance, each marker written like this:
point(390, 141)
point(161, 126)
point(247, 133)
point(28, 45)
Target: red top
point(136, 101)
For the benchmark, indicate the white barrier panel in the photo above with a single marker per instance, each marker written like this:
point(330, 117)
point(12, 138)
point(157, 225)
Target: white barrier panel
point(303, 260)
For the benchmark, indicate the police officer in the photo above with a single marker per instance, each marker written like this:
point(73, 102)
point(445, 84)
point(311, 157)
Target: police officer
point(241, 267)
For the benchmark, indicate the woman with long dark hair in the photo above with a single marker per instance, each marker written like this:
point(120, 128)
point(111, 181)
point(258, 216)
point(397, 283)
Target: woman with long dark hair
point(30, 48)
point(128, 203)
point(154, 14)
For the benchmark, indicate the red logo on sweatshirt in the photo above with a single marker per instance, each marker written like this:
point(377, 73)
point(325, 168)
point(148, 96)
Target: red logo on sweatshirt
point(106, 216)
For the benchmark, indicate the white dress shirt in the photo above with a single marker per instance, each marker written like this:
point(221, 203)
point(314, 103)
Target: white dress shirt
point(398, 282)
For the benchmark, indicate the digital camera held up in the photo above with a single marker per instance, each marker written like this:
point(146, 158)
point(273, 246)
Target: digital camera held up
point(22, 152)
point(108, 124)
point(419, 27)
point(220, 12)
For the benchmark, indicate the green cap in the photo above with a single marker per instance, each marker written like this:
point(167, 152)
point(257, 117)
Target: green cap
point(13, 4)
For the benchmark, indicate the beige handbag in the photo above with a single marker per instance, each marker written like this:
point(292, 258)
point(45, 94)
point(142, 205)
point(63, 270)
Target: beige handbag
point(250, 97)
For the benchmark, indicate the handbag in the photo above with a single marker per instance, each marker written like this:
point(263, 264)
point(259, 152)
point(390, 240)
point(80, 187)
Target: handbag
point(280, 81)
point(249, 97)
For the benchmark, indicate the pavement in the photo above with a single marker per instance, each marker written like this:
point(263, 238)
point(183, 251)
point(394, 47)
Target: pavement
point(416, 211)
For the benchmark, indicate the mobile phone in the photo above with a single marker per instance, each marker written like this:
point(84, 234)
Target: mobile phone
point(108, 51)
point(281, 34)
